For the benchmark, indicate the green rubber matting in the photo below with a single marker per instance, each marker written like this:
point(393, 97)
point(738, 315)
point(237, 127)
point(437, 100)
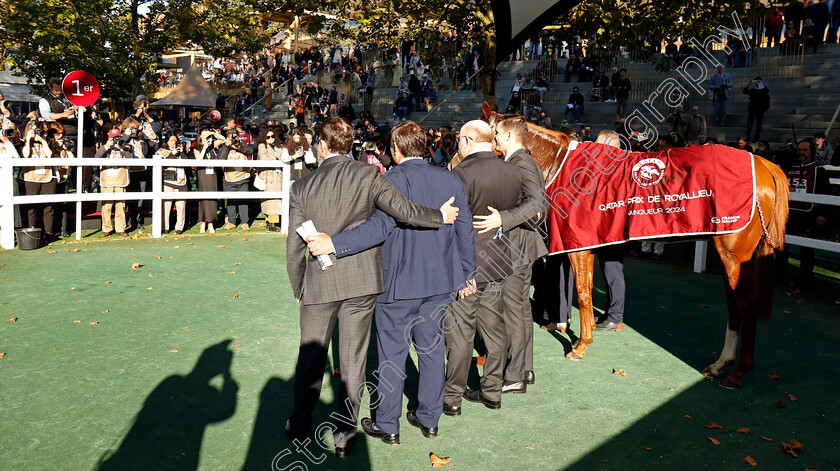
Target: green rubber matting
point(187, 361)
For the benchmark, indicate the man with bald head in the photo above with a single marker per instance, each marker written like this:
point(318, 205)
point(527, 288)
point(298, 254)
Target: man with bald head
point(492, 185)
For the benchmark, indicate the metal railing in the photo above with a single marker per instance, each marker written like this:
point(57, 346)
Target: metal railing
point(8, 200)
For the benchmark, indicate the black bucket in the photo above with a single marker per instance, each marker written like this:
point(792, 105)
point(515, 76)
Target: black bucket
point(28, 238)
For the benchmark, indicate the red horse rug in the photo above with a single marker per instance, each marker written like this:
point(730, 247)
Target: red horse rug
point(602, 195)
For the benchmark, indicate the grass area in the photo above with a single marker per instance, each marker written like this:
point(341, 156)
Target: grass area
point(167, 369)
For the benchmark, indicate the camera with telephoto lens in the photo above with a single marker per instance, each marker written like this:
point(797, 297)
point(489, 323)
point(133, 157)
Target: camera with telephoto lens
point(42, 133)
point(233, 135)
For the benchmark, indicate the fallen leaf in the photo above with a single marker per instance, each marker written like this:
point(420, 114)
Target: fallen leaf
point(173, 351)
point(336, 372)
point(645, 412)
point(772, 377)
point(669, 335)
point(687, 416)
point(785, 312)
point(259, 342)
point(237, 296)
point(244, 238)
point(792, 447)
point(714, 441)
point(671, 389)
point(2, 354)
point(792, 397)
point(703, 306)
point(237, 264)
point(149, 287)
point(157, 257)
point(94, 323)
point(221, 246)
point(71, 289)
point(151, 276)
point(648, 448)
point(749, 459)
point(107, 282)
point(231, 272)
point(780, 404)
point(77, 250)
point(237, 345)
point(135, 265)
point(743, 430)
point(77, 322)
point(530, 447)
point(106, 311)
point(437, 461)
point(50, 251)
point(713, 425)
point(619, 372)
point(176, 247)
point(661, 307)
point(14, 319)
point(766, 439)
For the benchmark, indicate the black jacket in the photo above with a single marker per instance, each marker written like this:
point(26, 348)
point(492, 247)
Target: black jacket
point(759, 99)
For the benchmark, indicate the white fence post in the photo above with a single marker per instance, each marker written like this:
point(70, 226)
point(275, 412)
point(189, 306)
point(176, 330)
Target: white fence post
point(157, 200)
point(80, 149)
point(7, 208)
point(700, 249)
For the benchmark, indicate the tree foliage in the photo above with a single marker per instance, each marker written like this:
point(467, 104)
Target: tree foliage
point(117, 43)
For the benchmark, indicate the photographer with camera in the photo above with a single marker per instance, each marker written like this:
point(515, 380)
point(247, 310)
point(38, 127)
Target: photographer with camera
point(7, 112)
point(39, 180)
point(59, 148)
point(114, 180)
point(136, 141)
point(53, 108)
point(236, 179)
point(208, 146)
point(174, 180)
point(268, 149)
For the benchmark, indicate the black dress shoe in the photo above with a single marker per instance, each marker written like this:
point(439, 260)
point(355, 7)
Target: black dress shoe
point(516, 387)
point(167, 231)
point(529, 377)
point(344, 451)
point(476, 396)
point(451, 411)
point(427, 432)
point(369, 426)
point(273, 227)
point(64, 233)
point(610, 326)
point(179, 232)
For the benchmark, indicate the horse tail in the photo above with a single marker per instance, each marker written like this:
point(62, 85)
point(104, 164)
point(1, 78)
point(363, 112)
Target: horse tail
point(778, 220)
point(774, 238)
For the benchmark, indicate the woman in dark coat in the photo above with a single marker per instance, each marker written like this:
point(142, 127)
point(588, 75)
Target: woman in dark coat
point(207, 147)
point(759, 104)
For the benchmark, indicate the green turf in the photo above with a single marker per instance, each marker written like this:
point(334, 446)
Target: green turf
point(73, 394)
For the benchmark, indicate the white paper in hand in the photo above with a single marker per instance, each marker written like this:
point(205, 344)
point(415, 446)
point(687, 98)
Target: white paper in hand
point(307, 229)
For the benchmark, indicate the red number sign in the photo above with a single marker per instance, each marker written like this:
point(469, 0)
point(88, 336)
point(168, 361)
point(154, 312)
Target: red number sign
point(80, 88)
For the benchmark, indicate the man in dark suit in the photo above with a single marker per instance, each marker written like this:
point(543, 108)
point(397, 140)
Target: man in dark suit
point(423, 271)
point(343, 193)
point(527, 246)
point(490, 183)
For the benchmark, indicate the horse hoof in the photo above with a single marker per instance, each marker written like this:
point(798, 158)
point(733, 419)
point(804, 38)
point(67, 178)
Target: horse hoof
point(729, 383)
point(574, 356)
point(709, 374)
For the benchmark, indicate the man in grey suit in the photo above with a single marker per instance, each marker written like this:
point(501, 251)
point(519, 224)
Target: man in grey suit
point(720, 86)
point(491, 184)
point(341, 194)
point(521, 226)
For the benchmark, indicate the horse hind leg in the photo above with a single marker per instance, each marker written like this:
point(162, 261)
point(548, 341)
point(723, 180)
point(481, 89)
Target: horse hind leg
point(730, 343)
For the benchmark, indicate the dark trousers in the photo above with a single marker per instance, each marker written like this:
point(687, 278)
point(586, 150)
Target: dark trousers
point(61, 188)
point(316, 327)
point(800, 223)
point(138, 181)
point(756, 118)
point(611, 260)
point(483, 312)
point(397, 325)
point(519, 323)
point(554, 289)
point(233, 205)
point(36, 188)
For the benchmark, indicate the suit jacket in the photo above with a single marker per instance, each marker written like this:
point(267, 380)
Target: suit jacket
point(721, 80)
point(490, 181)
point(418, 263)
point(521, 222)
point(340, 195)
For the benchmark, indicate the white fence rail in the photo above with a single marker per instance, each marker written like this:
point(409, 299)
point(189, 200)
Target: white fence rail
point(8, 199)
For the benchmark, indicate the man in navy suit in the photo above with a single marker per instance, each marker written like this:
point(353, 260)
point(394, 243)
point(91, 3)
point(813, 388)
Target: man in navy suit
point(425, 270)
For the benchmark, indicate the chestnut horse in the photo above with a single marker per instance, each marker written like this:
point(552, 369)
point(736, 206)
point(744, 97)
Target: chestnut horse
point(749, 290)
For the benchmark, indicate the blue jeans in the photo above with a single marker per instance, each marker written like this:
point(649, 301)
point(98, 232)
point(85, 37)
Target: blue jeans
point(578, 109)
point(402, 112)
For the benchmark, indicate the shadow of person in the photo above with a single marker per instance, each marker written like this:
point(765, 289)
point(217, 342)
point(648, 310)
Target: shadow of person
point(168, 430)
